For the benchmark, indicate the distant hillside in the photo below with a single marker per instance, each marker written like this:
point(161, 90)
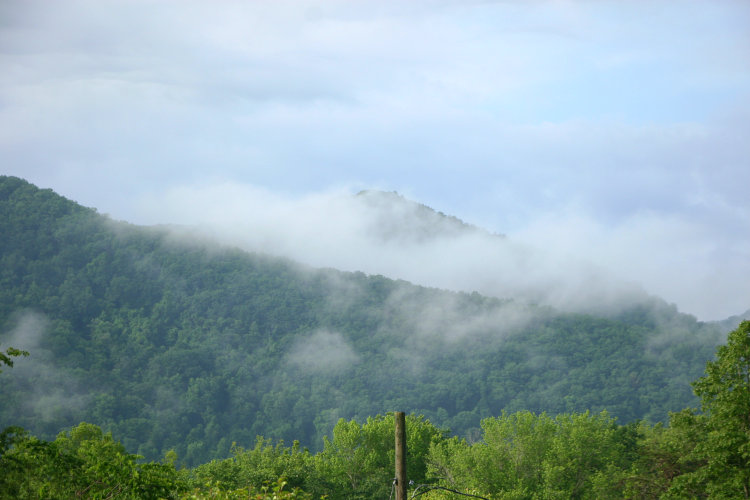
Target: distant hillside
point(174, 343)
point(729, 324)
point(396, 218)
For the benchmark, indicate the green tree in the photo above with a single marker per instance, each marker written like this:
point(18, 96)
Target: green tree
point(359, 461)
point(663, 454)
point(523, 455)
point(272, 490)
point(586, 451)
point(515, 448)
point(6, 358)
point(724, 450)
point(259, 466)
point(81, 463)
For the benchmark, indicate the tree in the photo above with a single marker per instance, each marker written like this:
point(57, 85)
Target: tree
point(724, 451)
point(524, 455)
point(10, 352)
point(261, 465)
point(663, 453)
point(82, 463)
point(359, 461)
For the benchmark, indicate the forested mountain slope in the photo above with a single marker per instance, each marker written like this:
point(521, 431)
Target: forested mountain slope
point(395, 217)
point(174, 343)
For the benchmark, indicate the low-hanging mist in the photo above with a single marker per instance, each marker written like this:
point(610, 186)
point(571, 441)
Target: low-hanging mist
point(568, 262)
point(574, 127)
point(171, 341)
point(51, 392)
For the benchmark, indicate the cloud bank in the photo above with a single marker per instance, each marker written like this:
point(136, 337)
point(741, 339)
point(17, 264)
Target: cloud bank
point(322, 352)
point(567, 262)
point(49, 392)
point(608, 132)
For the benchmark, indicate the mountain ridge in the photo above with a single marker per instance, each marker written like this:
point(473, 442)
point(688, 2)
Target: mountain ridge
point(425, 222)
point(195, 346)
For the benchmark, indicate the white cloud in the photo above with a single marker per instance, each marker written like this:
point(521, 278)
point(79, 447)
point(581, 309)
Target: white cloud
point(628, 118)
point(681, 258)
point(50, 391)
point(322, 351)
point(567, 258)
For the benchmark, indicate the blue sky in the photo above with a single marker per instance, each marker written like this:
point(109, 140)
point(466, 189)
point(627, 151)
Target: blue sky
point(611, 131)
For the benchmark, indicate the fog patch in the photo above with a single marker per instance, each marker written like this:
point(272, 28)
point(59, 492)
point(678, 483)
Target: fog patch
point(672, 330)
point(683, 258)
point(168, 401)
point(450, 318)
point(27, 332)
point(323, 351)
point(383, 233)
point(341, 291)
point(49, 392)
point(410, 360)
point(539, 361)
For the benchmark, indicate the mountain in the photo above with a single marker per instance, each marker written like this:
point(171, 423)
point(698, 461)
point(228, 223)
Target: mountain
point(382, 233)
point(730, 323)
point(393, 217)
point(174, 342)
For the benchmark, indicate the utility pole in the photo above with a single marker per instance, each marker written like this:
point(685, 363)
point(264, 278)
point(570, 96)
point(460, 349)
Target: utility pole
point(401, 483)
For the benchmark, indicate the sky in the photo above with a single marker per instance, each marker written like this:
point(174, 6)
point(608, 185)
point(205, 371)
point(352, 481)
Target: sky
point(610, 132)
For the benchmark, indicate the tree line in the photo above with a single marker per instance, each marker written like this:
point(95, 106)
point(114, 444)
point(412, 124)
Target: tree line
point(172, 343)
point(520, 455)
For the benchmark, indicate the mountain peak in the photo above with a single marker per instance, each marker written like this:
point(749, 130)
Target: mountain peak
point(395, 217)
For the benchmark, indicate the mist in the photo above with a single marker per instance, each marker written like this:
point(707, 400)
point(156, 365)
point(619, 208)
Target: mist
point(322, 352)
point(49, 392)
point(386, 234)
point(612, 152)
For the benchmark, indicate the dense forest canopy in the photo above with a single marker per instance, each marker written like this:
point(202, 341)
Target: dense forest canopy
point(171, 342)
point(518, 456)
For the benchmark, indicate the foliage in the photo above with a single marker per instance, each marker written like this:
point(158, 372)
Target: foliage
point(6, 358)
point(523, 455)
point(356, 462)
point(271, 491)
point(183, 349)
point(663, 455)
point(520, 455)
point(360, 459)
point(723, 450)
point(82, 463)
point(172, 343)
point(258, 466)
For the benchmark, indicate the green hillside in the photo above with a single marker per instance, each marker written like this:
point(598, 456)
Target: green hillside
point(171, 342)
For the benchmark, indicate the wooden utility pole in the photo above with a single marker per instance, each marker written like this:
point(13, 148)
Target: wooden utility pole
point(401, 483)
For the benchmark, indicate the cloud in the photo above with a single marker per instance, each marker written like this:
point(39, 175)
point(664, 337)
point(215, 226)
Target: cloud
point(339, 230)
point(431, 321)
point(568, 259)
point(681, 258)
point(523, 117)
point(48, 391)
point(322, 352)
point(28, 330)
